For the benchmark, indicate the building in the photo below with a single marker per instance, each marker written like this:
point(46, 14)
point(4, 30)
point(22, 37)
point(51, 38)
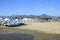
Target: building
point(5, 21)
point(27, 20)
point(1, 20)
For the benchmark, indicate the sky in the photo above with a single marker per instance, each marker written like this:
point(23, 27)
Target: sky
point(29, 7)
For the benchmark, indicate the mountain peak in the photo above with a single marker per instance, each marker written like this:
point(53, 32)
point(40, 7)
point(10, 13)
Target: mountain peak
point(46, 16)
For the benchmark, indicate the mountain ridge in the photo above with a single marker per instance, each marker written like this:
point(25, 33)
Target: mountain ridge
point(32, 16)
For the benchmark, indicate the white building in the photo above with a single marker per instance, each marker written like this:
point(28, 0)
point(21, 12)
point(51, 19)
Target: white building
point(15, 21)
point(6, 21)
point(27, 20)
point(1, 20)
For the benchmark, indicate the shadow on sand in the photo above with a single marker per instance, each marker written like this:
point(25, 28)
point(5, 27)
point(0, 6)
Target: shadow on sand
point(15, 25)
point(16, 36)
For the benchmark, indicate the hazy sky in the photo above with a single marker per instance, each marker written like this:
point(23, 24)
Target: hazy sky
point(29, 7)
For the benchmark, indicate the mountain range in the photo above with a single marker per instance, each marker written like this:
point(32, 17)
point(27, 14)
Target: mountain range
point(32, 16)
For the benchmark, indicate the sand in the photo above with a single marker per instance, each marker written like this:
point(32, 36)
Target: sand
point(48, 27)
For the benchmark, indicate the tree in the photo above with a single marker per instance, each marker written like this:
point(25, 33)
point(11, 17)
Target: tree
point(58, 17)
point(46, 18)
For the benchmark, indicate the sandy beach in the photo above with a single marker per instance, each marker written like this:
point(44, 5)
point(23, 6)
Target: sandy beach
point(48, 27)
point(41, 31)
